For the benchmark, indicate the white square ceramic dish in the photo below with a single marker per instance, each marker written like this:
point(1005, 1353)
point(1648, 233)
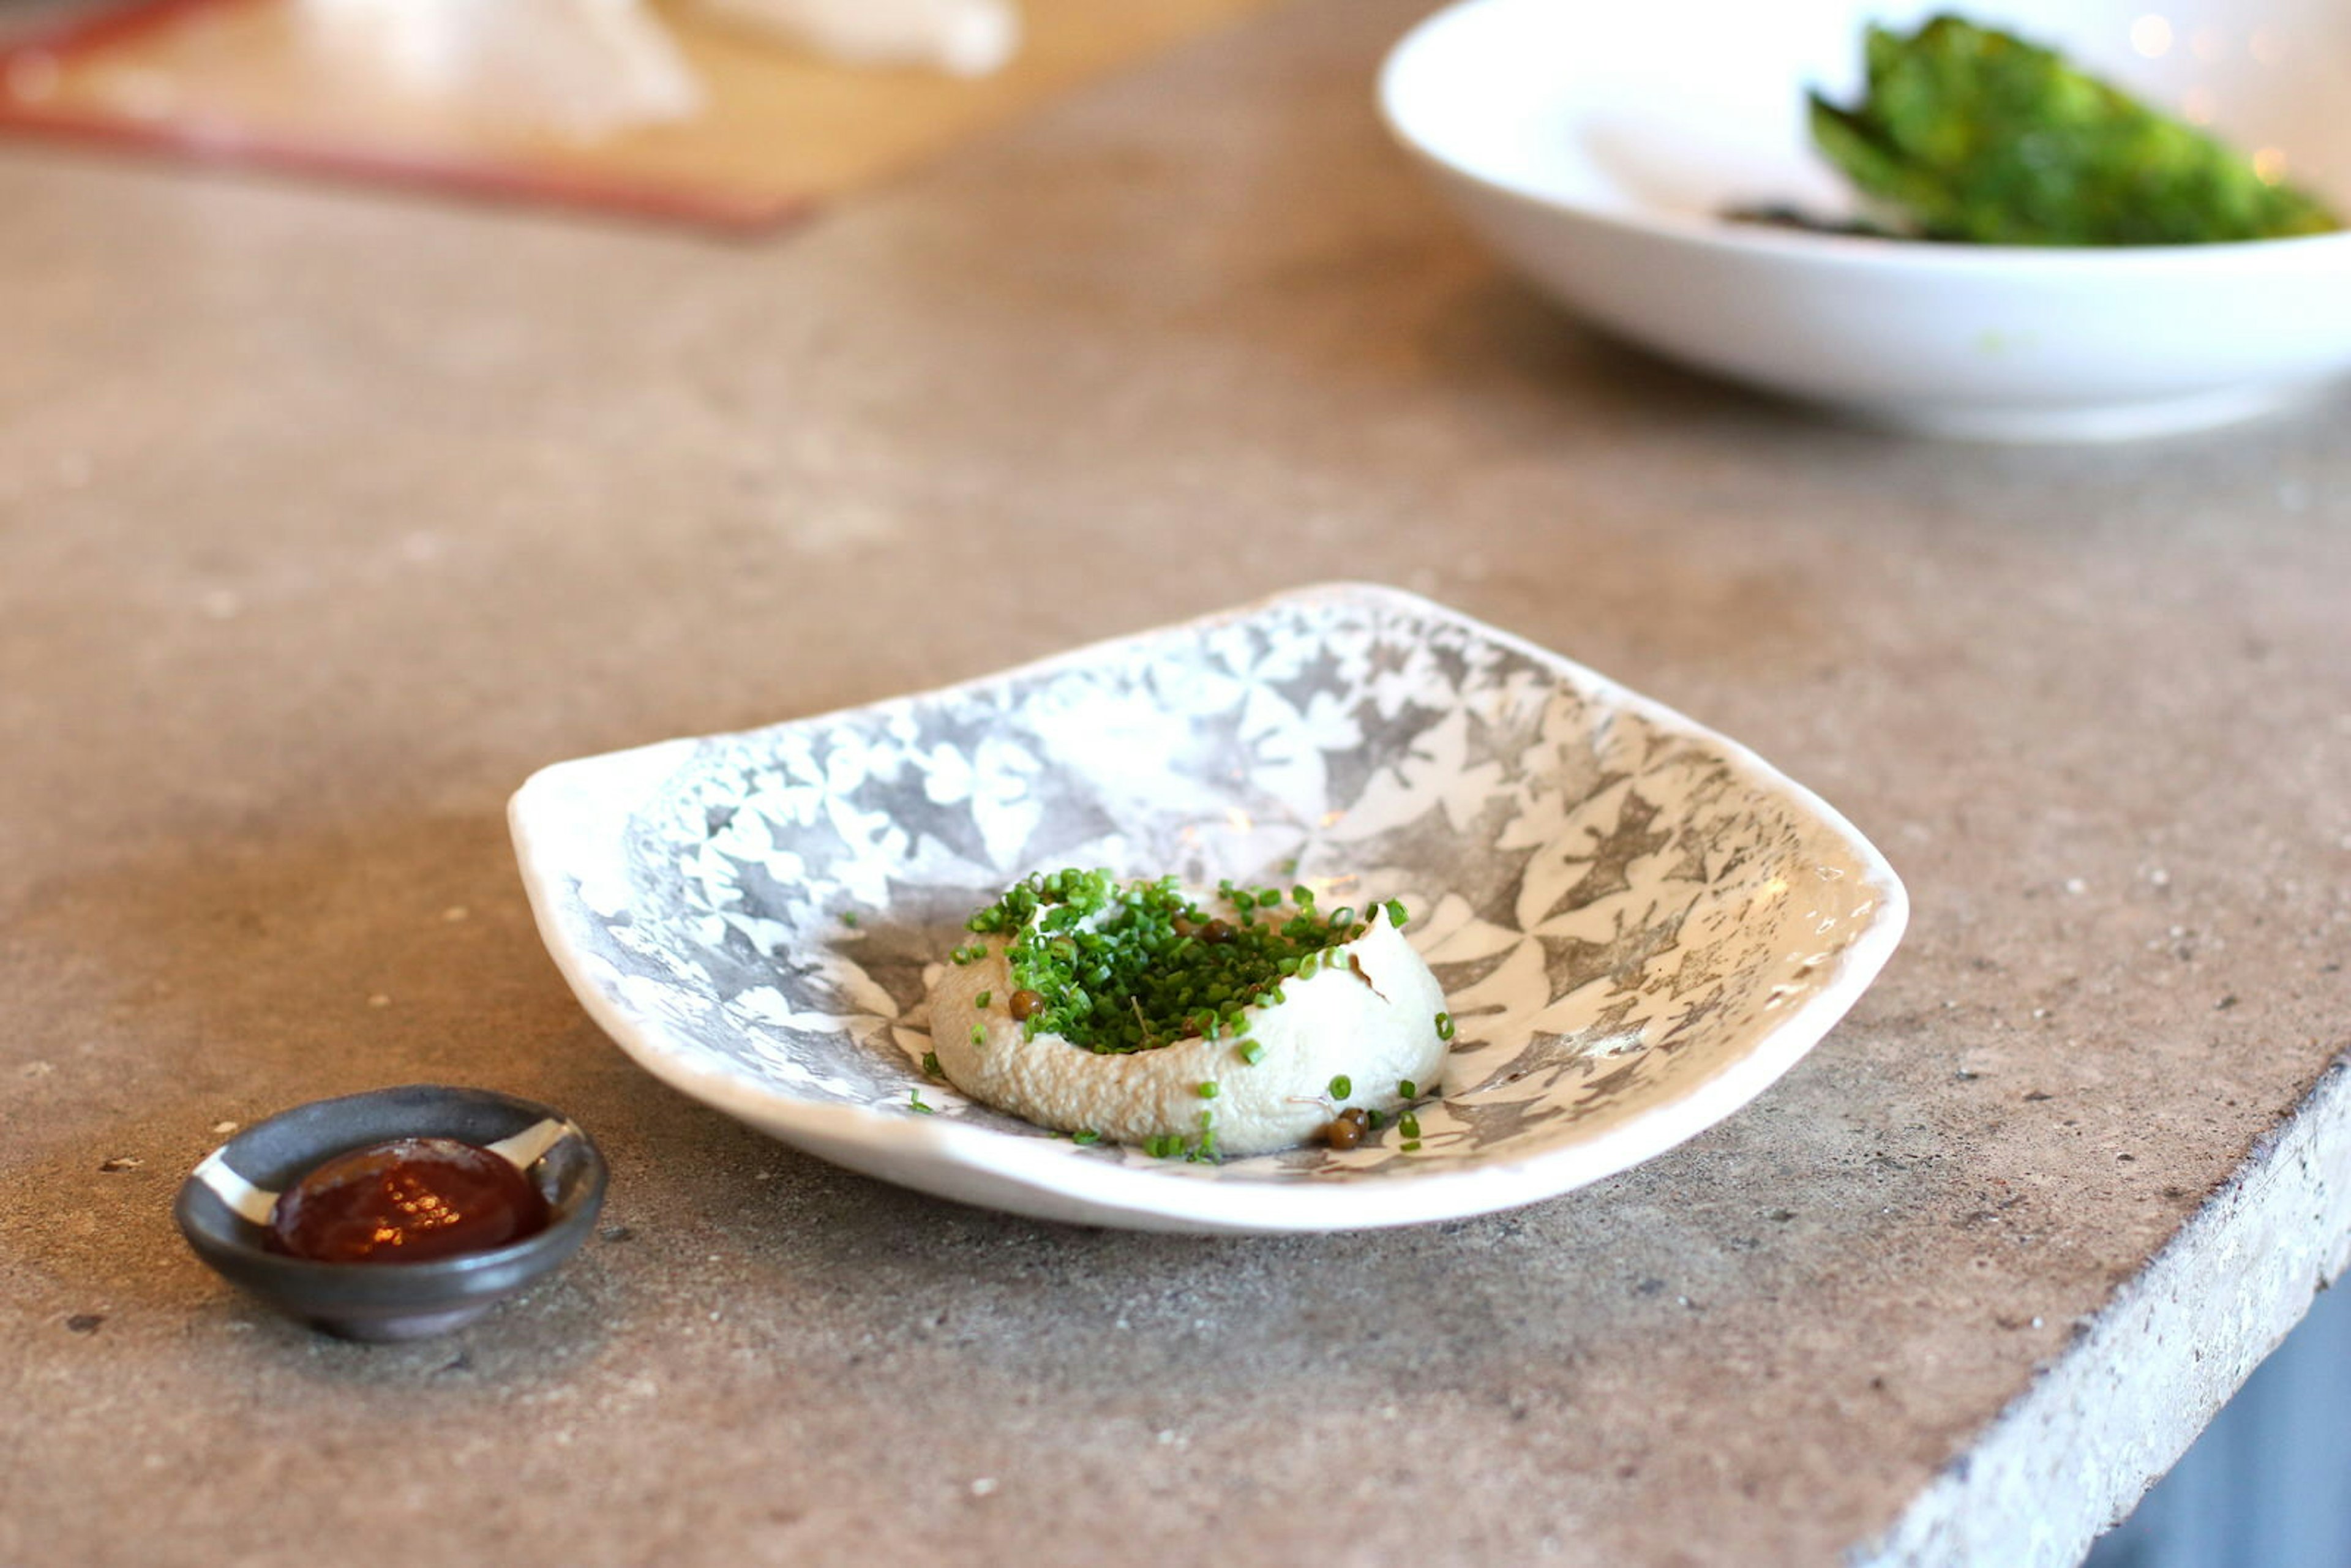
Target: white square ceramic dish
point(1639, 925)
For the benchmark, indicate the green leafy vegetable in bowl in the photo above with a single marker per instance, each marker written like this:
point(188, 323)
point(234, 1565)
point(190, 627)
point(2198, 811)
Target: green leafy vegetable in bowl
point(1968, 133)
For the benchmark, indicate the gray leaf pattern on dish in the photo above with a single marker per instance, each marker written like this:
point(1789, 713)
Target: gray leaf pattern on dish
point(1615, 907)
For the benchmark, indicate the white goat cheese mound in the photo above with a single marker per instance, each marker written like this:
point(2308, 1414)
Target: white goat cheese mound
point(1377, 1029)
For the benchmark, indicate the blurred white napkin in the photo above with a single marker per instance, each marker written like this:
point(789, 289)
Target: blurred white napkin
point(587, 70)
point(582, 69)
point(962, 37)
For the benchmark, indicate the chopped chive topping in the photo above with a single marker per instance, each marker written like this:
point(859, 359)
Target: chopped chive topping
point(1374, 1121)
point(1407, 1090)
point(1397, 915)
point(1341, 1086)
point(1445, 1026)
point(914, 1102)
point(979, 1034)
point(1125, 966)
point(1408, 1124)
point(931, 1064)
point(984, 998)
point(848, 918)
point(1208, 1091)
point(1251, 1052)
point(1164, 1146)
point(1411, 1146)
point(1085, 1135)
point(1344, 916)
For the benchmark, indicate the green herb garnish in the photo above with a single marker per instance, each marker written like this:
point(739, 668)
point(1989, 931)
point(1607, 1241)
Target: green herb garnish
point(1445, 1026)
point(1126, 967)
point(931, 1064)
point(1341, 1086)
point(1973, 134)
point(914, 1102)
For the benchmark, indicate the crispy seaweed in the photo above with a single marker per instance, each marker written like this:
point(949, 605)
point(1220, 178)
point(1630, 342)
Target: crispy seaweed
point(1973, 134)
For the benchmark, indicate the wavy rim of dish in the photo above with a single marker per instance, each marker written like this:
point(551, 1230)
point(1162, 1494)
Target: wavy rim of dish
point(1047, 1164)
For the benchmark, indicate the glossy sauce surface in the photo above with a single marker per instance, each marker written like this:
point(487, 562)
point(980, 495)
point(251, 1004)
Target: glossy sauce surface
point(406, 1201)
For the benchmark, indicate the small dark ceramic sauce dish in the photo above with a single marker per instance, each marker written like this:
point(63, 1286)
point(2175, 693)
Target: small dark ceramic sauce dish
point(225, 1208)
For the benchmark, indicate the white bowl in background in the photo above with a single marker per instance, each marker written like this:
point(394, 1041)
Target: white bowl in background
point(1594, 147)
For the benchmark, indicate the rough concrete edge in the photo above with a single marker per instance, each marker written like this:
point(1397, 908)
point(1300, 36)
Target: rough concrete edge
point(2072, 1455)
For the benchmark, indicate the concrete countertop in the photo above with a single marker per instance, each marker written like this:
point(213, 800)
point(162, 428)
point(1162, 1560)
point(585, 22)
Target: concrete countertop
point(326, 516)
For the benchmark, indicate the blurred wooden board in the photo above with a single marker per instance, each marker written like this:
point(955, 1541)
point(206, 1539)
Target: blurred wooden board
point(242, 82)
